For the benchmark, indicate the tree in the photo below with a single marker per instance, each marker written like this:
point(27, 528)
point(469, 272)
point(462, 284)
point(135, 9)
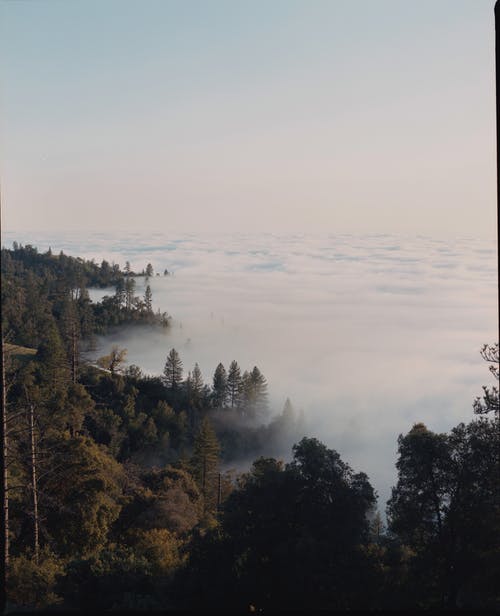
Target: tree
point(490, 401)
point(234, 384)
point(292, 537)
point(167, 498)
point(219, 386)
point(129, 293)
point(173, 370)
point(205, 462)
point(52, 359)
point(120, 292)
point(148, 300)
point(254, 392)
point(71, 331)
point(149, 270)
point(197, 383)
point(196, 393)
point(445, 509)
point(114, 361)
point(83, 499)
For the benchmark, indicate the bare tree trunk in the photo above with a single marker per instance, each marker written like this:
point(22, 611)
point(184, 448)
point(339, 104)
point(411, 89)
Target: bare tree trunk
point(74, 353)
point(4, 473)
point(34, 487)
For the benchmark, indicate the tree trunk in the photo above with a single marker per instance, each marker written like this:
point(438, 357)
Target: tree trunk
point(4, 473)
point(34, 488)
point(74, 353)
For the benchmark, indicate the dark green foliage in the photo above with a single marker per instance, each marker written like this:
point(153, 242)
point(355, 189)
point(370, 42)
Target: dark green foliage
point(490, 402)
point(173, 371)
point(37, 287)
point(234, 384)
point(292, 536)
point(148, 300)
point(205, 463)
point(32, 585)
point(254, 393)
point(116, 578)
point(219, 387)
point(445, 508)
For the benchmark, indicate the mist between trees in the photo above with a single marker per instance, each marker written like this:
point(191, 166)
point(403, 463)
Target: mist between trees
point(121, 488)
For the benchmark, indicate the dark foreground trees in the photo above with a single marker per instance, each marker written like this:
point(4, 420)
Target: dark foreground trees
point(291, 536)
point(445, 509)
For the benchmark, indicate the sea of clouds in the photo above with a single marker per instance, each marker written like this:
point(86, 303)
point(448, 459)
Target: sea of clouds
point(367, 334)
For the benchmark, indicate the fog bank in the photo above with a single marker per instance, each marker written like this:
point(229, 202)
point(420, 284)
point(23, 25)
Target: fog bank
point(366, 334)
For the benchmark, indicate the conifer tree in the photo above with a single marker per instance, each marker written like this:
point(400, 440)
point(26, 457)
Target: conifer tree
point(120, 292)
point(197, 386)
point(254, 392)
point(53, 360)
point(129, 293)
point(70, 325)
point(205, 463)
point(173, 370)
point(148, 300)
point(234, 384)
point(220, 386)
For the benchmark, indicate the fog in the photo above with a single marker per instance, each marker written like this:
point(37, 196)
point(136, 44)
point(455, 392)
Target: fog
point(366, 334)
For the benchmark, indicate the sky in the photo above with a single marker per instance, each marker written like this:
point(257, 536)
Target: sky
point(271, 115)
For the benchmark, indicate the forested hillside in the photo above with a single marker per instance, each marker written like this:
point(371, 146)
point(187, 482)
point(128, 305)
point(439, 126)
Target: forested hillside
point(120, 494)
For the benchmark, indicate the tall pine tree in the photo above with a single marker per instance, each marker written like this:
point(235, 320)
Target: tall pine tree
point(220, 387)
point(173, 370)
point(234, 384)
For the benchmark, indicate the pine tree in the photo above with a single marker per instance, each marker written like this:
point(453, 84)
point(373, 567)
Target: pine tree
point(220, 386)
point(205, 463)
point(129, 293)
point(70, 326)
point(254, 392)
point(173, 370)
point(53, 360)
point(149, 270)
point(148, 300)
point(234, 384)
point(120, 292)
point(197, 386)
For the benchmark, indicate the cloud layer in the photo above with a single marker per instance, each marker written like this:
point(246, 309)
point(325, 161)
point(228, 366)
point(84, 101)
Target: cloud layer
point(367, 334)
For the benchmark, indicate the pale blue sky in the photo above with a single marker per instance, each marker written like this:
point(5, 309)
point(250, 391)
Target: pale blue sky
point(338, 116)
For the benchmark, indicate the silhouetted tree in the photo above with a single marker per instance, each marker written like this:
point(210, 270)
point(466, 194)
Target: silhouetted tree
point(234, 384)
point(148, 299)
point(113, 361)
point(490, 401)
point(173, 370)
point(205, 462)
point(219, 386)
point(445, 509)
point(254, 387)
